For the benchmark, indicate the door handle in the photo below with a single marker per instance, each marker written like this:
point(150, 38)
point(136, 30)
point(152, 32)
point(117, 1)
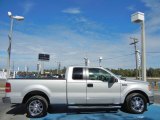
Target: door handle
point(89, 85)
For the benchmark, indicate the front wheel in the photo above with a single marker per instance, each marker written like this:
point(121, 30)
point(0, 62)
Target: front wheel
point(36, 107)
point(135, 103)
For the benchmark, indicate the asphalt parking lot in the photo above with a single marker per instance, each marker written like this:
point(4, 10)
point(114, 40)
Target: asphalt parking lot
point(17, 112)
point(11, 112)
point(152, 114)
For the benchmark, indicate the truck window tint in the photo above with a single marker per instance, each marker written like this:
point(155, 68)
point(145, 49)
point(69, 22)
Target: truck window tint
point(99, 74)
point(77, 74)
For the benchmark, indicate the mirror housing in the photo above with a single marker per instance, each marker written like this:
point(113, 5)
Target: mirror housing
point(113, 80)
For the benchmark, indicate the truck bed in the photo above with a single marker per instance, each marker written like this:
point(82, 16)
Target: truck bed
point(55, 89)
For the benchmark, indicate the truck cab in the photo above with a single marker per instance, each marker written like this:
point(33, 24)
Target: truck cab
point(88, 85)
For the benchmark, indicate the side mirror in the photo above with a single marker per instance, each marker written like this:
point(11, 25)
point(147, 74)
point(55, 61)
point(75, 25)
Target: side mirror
point(113, 80)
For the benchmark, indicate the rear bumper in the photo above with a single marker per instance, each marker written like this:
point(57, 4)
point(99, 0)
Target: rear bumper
point(151, 100)
point(6, 100)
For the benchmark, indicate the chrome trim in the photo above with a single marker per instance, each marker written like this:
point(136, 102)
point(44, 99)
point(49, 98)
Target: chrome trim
point(137, 104)
point(35, 107)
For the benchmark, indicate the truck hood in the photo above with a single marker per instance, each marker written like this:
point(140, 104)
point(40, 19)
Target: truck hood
point(135, 81)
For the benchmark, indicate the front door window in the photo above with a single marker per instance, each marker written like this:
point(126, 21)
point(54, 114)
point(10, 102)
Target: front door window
point(99, 74)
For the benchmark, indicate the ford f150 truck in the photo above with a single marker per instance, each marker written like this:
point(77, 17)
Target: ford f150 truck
point(83, 87)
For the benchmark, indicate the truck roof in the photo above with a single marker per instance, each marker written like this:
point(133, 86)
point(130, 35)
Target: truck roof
point(86, 66)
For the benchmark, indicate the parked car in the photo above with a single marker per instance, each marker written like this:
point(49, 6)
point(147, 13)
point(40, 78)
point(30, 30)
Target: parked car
point(83, 87)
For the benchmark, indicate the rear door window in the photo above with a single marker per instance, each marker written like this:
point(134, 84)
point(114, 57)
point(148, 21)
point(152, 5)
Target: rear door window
point(77, 74)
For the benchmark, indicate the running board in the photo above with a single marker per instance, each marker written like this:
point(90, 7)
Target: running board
point(93, 107)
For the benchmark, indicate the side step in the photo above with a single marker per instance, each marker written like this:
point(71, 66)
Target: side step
point(93, 107)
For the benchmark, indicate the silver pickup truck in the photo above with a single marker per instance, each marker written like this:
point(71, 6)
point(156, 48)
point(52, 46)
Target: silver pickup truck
point(83, 87)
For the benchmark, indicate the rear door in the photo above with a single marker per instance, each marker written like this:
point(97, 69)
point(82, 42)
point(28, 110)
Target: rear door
point(76, 86)
point(99, 89)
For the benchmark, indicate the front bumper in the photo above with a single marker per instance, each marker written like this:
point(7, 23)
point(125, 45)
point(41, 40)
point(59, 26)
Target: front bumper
point(151, 100)
point(6, 100)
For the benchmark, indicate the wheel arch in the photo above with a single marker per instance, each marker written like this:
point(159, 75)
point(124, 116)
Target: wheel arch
point(138, 91)
point(33, 93)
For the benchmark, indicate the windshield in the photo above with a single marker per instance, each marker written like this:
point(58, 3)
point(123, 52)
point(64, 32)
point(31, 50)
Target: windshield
point(117, 76)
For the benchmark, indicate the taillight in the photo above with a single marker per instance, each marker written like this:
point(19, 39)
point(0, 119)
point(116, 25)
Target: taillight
point(8, 87)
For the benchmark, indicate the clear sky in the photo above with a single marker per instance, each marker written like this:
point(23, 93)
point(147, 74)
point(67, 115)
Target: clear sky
point(70, 30)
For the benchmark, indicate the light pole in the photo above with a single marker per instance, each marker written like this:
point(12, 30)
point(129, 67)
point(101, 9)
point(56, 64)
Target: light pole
point(138, 17)
point(19, 18)
point(139, 64)
point(100, 60)
point(86, 60)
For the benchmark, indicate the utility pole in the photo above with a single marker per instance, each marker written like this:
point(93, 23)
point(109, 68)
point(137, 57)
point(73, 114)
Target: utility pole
point(13, 67)
point(135, 41)
point(14, 74)
point(59, 67)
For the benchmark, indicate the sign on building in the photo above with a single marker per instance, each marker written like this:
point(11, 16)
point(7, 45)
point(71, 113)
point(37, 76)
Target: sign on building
point(43, 57)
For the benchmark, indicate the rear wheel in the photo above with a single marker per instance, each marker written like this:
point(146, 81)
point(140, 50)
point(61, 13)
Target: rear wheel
point(37, 106)
point(135, 103)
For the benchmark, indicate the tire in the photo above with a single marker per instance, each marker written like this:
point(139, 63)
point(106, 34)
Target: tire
point(135, 103)
point(36, 107)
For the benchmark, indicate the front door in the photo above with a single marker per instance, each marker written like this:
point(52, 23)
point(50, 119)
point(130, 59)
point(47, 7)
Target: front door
point(99, 89)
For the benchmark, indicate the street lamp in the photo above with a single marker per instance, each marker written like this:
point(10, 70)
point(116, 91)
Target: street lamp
point(19, 18)
point(100, 60)
point(138, 17)
point(86, 60)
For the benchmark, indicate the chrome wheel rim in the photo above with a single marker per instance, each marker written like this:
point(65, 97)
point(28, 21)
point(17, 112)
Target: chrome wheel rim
point(35, 107)
point(137, 104)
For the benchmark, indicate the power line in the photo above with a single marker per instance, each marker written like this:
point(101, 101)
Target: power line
point(115, 57)
point(152, 52)
point(119, 56)
point(122, 56)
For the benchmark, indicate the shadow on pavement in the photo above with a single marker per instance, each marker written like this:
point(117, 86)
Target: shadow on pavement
point(63, 109)
point(17, 110)
point(62, 113)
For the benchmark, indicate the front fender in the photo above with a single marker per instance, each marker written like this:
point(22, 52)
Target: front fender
point(131, 88)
